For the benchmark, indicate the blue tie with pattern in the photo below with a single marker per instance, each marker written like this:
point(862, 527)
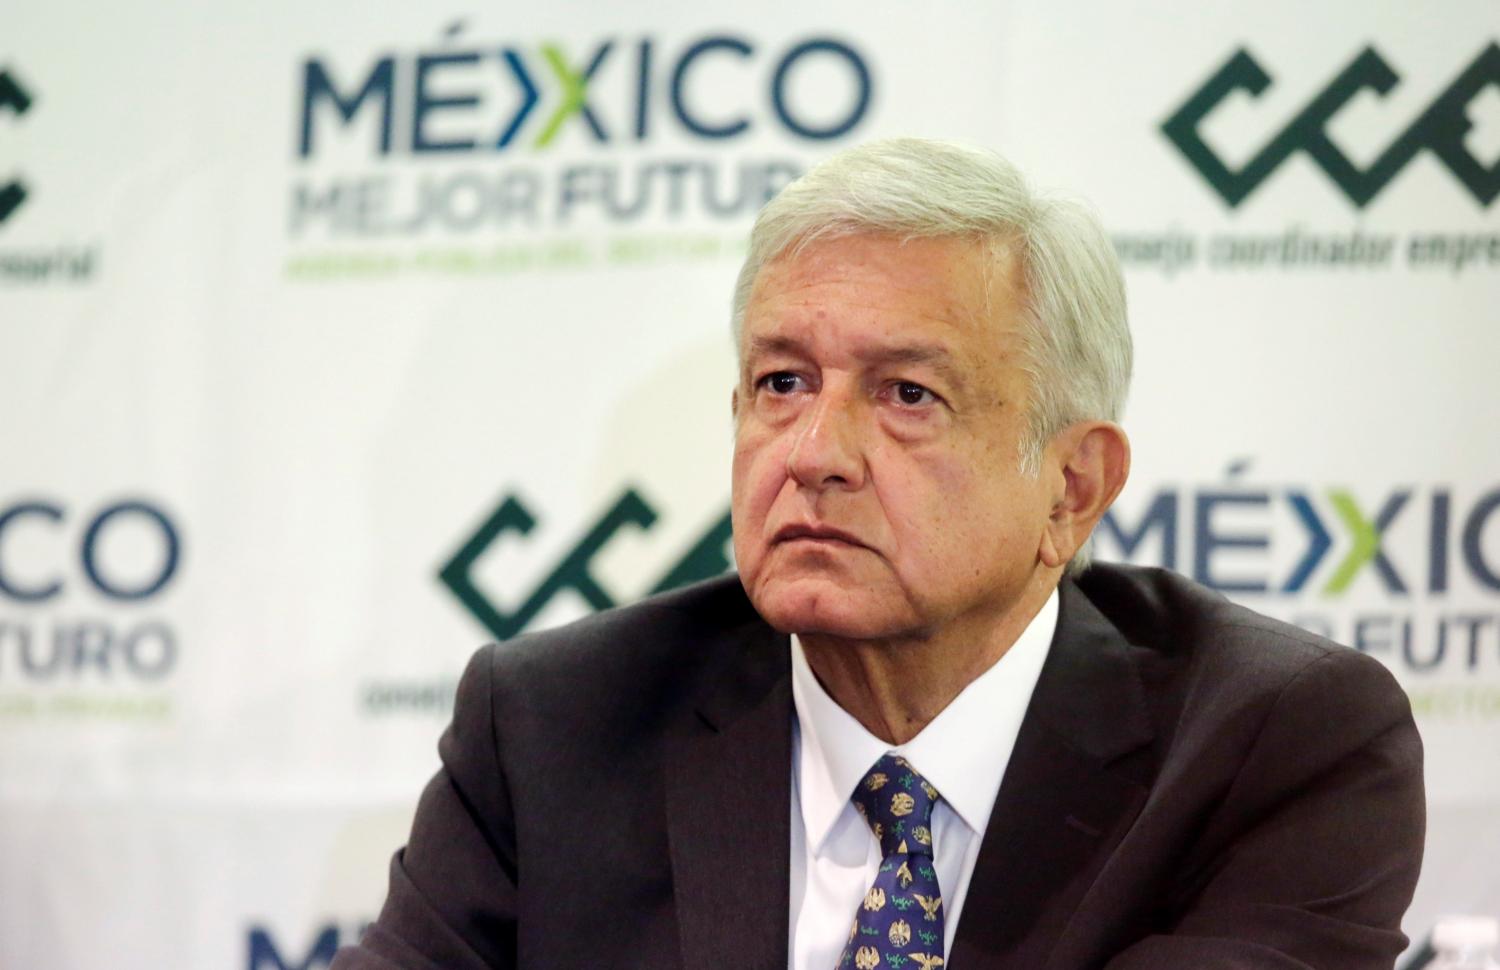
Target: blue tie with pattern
point(900, 921)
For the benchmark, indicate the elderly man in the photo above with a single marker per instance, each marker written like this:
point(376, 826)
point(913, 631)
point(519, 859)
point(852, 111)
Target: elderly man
point(917, 730)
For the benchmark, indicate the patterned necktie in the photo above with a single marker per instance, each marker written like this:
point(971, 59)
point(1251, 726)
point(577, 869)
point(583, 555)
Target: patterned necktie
point(900, 922)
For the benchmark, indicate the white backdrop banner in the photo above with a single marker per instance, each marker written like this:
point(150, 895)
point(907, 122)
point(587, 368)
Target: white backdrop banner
point(340, 338)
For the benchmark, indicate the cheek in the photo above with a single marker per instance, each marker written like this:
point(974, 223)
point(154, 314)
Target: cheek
point(749, 476)
point(937, 499)
point(759, 472)
point(930, 479)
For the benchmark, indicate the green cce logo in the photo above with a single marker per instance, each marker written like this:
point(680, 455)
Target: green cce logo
point(705, 558)
point(15, 98)
point(1441, 129)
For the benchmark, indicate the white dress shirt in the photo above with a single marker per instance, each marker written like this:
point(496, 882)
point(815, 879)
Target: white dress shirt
point(962, 753)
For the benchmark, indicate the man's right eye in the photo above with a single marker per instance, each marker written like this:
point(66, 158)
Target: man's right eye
point(781, 382)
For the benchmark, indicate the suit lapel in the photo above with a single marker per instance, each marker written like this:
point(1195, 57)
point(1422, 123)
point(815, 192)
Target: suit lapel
point(728, 791)
point(1063, 805)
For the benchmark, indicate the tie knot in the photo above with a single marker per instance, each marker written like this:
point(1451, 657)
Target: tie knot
point(896, 803)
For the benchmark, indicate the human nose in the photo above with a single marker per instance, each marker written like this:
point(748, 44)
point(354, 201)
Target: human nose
point(828, 451)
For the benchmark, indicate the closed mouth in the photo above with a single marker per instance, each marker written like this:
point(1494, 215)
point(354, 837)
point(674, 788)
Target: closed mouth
point(817, 533)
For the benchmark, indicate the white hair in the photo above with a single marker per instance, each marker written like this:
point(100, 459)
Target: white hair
point(1076, 339)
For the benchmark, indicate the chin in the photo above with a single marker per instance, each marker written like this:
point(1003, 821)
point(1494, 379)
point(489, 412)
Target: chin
point(815, 606)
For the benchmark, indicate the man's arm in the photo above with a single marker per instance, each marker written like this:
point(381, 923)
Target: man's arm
point(1315, 850)
point(452, 898)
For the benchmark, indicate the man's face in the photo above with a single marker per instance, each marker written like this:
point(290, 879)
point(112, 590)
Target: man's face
point(879, 417)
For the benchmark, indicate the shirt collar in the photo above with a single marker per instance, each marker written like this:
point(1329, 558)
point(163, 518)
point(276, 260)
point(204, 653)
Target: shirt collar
point(962, 752)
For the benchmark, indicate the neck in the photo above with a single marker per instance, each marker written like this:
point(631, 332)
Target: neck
point(895, 686)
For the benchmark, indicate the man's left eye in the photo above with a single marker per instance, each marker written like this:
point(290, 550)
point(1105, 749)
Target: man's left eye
point(912, 395)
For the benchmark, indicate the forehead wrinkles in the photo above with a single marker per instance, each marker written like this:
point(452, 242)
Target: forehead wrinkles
point(944, 280)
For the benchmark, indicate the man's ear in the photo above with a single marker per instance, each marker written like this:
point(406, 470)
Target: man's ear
point(734, 402)
point(1093, 459)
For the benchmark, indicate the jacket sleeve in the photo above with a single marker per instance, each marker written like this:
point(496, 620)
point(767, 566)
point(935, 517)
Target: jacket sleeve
point(1313, 854)
point(452, 897)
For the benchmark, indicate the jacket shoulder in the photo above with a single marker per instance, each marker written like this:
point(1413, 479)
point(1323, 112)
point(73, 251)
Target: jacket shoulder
point(1210, 660)
point(629, 664)
point(1172, 616)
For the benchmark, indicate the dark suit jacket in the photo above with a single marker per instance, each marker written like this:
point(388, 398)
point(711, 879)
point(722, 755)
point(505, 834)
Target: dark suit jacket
point(1194, 786)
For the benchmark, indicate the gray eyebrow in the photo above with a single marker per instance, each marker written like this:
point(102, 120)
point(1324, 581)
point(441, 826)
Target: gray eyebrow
point(773, 345)
point(900, 354)
point(932, 355)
